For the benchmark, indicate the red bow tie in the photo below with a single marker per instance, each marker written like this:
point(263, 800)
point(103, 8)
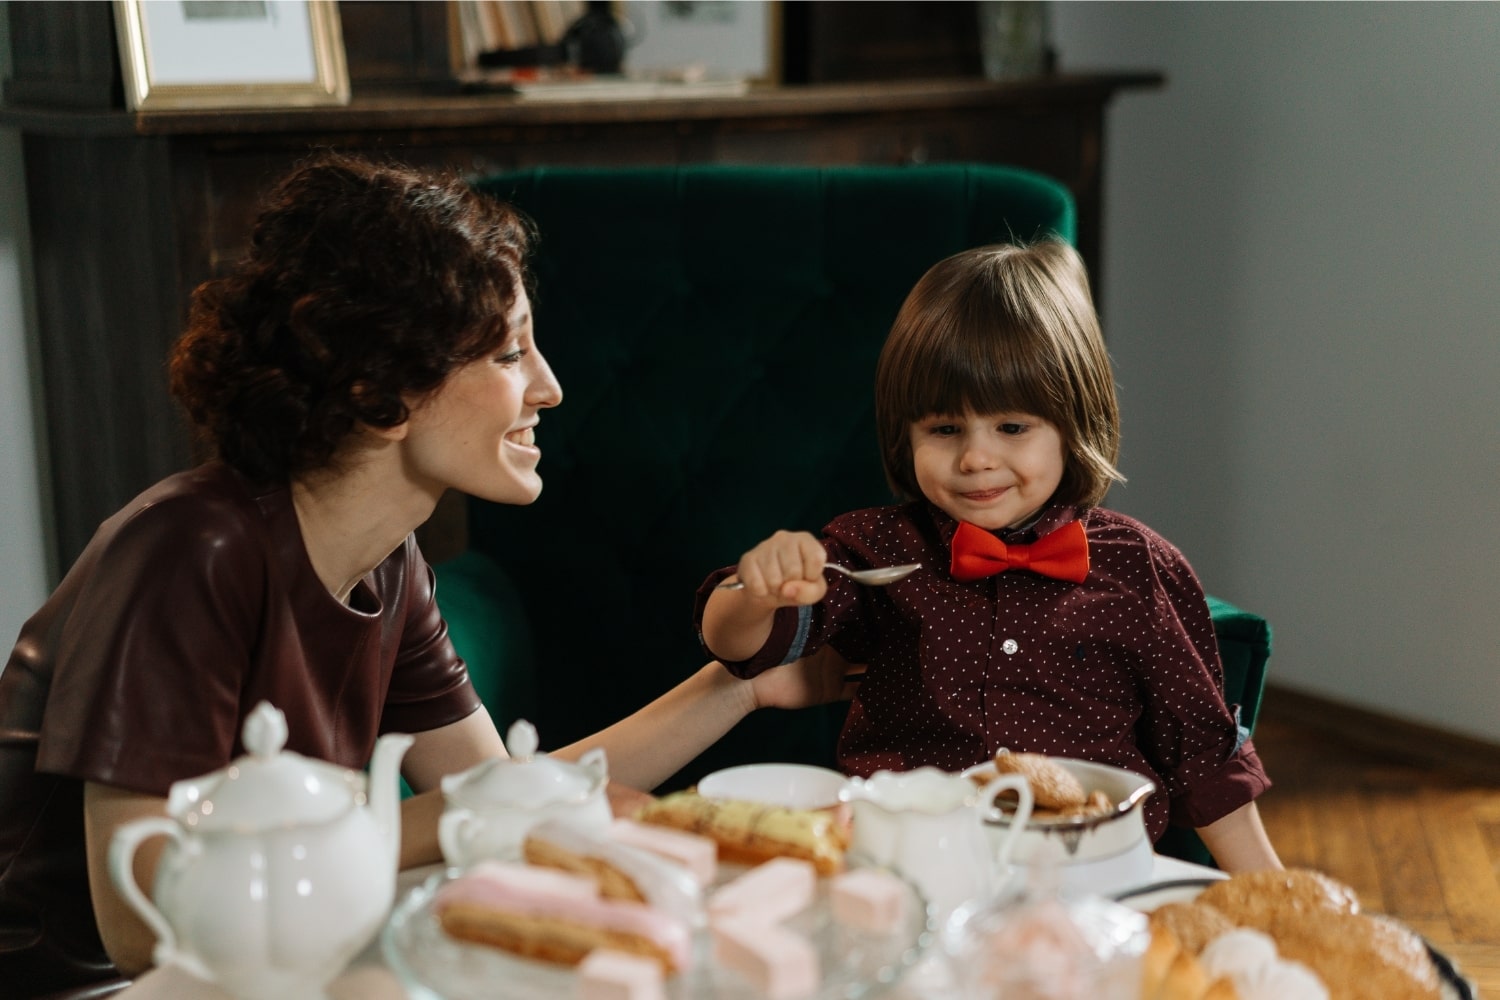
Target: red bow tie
point(1062, 554)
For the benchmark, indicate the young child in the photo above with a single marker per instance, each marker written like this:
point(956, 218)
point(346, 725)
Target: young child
point(1039, 621)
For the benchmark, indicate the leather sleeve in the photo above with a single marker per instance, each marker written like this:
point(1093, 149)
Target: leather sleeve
point(152, 657)
point(430, 683)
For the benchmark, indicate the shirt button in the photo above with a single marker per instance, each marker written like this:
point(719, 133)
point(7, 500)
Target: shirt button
point(1009, 646)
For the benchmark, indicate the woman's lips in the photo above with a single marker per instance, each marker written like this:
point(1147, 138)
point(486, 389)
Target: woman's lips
point(525, 437)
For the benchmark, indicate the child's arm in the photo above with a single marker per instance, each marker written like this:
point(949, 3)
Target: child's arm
point(1239, 843)
point(783, 571)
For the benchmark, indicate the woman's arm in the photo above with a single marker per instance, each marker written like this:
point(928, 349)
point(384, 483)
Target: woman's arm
point(1239, 843)
point(105, 809)
point(649, 746)
point(644, 749)
point(446, 750)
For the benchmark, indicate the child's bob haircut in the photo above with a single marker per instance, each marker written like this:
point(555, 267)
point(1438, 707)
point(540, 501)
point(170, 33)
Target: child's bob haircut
point(1003, 329)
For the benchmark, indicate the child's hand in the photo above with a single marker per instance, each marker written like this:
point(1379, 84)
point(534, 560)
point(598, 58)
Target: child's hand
point(785, 569)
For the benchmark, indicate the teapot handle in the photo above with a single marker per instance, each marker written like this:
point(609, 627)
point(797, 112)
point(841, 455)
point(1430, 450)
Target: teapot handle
point(456, 829)
point(122, 871)
point(1007, 782)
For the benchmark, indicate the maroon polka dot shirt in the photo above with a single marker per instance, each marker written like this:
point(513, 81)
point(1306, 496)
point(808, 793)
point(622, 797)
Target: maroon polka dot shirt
point(1122, 669)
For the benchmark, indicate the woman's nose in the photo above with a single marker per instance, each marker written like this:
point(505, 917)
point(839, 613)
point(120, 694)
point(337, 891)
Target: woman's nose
point(544, 390)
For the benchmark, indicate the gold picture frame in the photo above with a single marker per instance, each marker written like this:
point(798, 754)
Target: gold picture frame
point(177, 54)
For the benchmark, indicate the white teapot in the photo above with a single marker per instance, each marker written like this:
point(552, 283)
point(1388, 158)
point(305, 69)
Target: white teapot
point(278, 870)
point(928, 825)
point(488, 808)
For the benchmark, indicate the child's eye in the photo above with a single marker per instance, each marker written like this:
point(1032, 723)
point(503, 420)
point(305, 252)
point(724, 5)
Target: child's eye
point(943, 430)
point(1012, 429)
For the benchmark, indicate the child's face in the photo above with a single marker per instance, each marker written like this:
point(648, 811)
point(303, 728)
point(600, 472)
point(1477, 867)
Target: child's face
point(994, 470)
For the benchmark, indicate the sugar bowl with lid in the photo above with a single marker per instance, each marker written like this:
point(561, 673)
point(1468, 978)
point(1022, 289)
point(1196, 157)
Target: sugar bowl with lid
point(278, 868)
point(488, 808)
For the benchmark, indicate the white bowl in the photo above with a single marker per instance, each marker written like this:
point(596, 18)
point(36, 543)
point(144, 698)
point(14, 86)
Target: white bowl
point(1094, 853)
point(796, 786)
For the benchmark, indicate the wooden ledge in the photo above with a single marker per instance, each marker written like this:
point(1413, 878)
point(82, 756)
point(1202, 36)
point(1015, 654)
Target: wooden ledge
point(1411, 742)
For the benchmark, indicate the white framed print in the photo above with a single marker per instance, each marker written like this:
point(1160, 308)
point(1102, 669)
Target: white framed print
point(717, 39)
point(231, 53)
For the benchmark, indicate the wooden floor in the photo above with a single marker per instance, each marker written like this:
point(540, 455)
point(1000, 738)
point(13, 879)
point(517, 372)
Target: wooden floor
point(1408, 817)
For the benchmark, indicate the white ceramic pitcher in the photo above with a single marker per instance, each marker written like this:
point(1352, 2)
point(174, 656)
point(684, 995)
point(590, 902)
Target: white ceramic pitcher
point(928, 825)
point(278, 869)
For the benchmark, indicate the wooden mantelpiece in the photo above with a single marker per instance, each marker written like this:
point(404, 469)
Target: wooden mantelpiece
point(130, 211)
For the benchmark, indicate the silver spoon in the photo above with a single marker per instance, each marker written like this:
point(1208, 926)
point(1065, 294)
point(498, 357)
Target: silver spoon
point(877, 577)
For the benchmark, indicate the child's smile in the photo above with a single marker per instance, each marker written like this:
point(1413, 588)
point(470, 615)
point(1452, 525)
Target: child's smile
point(994, 470)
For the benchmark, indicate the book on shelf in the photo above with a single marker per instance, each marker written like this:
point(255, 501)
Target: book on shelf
point(513, 25)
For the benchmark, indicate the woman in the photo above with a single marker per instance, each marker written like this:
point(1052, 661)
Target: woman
point(373, 350)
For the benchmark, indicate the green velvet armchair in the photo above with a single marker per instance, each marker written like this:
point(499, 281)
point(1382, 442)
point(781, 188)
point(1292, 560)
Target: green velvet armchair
point(715, 331)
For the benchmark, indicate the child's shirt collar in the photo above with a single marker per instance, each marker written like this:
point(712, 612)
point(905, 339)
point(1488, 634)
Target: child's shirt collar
point(1048, 520)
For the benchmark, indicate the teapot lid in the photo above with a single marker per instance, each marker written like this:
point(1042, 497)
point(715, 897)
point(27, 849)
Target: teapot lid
point(267, 787)
point(527, 778)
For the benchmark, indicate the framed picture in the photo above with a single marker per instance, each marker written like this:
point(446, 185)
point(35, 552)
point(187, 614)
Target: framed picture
point(231, 53)
point(717, 39)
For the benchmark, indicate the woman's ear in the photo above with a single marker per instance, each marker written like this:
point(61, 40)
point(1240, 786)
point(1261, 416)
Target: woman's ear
point(363, 395)
point(396, 432)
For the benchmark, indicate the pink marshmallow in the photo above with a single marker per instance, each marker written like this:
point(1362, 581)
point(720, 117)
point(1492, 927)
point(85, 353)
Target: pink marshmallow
point(616, 975)
point(781, 964)
point(868, 899)
point(767, 893)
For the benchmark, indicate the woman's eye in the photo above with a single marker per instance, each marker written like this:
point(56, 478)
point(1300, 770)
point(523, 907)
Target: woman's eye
point(509, 357)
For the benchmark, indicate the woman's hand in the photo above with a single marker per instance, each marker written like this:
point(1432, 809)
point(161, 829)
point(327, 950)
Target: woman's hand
point(625, 801)
point(813, 680)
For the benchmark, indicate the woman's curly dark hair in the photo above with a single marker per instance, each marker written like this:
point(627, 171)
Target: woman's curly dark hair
point(365, 285)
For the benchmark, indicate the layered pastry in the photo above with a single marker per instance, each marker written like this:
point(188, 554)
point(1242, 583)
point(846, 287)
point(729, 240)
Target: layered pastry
point(753, 832)
point(1171, 972)
point(555, 916)
point(699, 855)
point(621, 871)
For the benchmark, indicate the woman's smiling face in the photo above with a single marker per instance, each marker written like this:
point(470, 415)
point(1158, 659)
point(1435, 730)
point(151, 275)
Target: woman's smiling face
point(994, 470)
point(477, 432)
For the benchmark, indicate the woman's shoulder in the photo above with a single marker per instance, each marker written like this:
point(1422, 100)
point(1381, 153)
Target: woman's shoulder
point(208, 510)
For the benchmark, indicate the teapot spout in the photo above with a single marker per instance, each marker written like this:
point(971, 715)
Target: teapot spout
point(385, 790)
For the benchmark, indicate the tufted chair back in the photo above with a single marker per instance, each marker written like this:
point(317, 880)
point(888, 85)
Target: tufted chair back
point(715, 331)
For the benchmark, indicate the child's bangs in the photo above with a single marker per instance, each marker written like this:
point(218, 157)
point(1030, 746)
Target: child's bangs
point(977, 368)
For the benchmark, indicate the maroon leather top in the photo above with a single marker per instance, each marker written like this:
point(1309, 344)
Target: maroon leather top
point(189, 607)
